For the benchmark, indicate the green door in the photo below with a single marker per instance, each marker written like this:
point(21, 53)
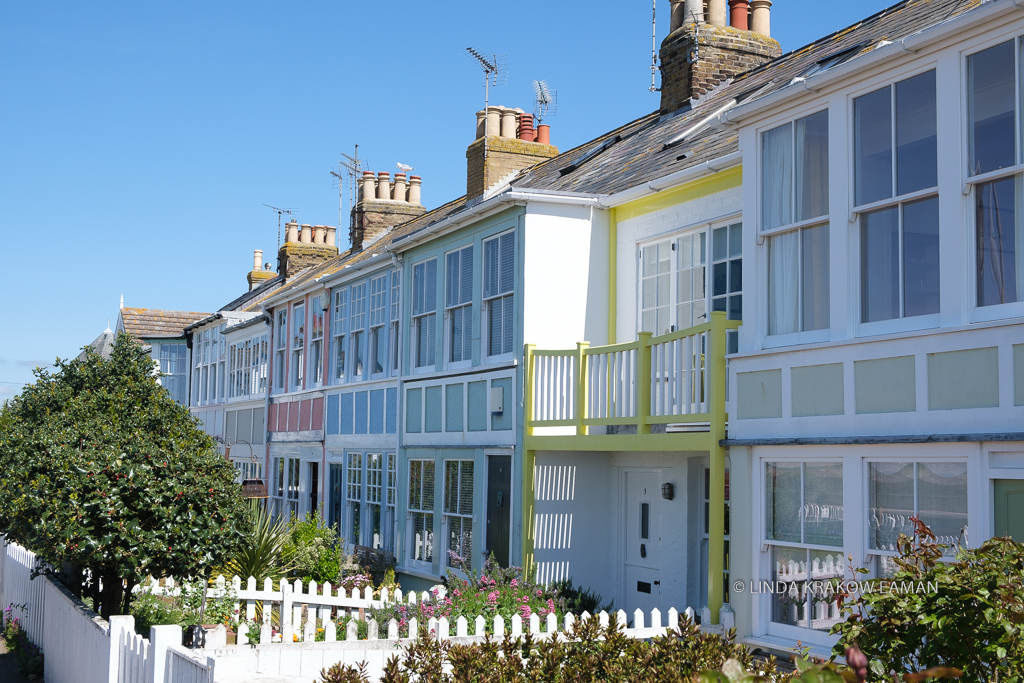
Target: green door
point(1009, 508)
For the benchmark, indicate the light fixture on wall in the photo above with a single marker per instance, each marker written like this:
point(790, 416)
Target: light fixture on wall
point(668, 491)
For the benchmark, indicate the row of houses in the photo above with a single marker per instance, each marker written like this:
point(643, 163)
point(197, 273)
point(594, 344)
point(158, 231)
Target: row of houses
point(741, 340)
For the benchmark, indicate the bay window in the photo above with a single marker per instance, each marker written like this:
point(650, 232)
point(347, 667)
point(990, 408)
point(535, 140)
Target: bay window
point(424, 313)
point(458, 511)
point(421, 511)
point(357, 332)
point(378, 329)
point(340, 324)
point(247, 367)
point(316, 340)
point(996, 162)
point(174, 370)
point(803, 535)
point(298, 346)
point(499, 299)
point(794, 211)
point(895, 188)
point(459, 304)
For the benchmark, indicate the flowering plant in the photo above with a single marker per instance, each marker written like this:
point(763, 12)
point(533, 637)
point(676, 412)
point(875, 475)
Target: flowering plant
point(27, 653)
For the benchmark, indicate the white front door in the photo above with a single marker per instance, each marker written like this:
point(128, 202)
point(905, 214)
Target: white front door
point(642, 538)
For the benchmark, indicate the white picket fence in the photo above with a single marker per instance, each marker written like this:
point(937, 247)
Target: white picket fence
point(20, 590)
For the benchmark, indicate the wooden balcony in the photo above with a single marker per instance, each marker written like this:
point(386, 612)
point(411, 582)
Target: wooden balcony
point(677, 379)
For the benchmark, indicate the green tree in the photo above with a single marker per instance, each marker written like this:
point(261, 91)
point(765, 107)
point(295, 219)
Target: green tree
point(101, 470)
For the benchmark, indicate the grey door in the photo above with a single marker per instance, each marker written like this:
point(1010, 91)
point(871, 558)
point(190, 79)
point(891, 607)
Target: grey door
point(1009, 508)
point(499, 506)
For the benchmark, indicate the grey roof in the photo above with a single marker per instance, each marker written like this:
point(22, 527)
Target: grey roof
point(102, 345)
point(640, 154)
point(153, 323)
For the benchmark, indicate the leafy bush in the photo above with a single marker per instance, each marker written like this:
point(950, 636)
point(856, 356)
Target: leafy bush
point(155, 610)
point(26, 653)
point(183, 609)
point(315, 551)
point(572, 600)
point(973, 621)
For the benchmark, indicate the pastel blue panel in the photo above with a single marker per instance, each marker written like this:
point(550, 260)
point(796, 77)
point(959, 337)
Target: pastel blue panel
point(332, 414)
point(453, 408)
point(413, 410)
point(346, 413)
point(361, 412)
point(478, 406)
point(433, 404)
point(377, 411)
point(391, 411)
point(504, 420)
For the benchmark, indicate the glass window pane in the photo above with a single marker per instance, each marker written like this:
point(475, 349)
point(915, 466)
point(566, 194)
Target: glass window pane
point(720, 244)
point(789, 565)
point(880, 265)
point(783, 276)
point(891, 503)
point(823, 504)
point(921, 257)
point(815, 278)
point(873, 146)
point(999, 242)
point(735, 275)
point(776, 177)
point(916, 150)
point(942, 500)
point(812, 166)
point(736, 240)
point(991, 108)
point(782, 491)
point(719, 279)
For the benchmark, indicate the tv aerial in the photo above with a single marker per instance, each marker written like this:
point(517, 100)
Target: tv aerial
point(280, 212)
point(546, 101)
point(495, 69)
point(353, 167)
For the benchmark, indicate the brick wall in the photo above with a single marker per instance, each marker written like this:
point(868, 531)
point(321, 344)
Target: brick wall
point(293, 257)
point(504, 155)
point(373, 216)
point(721, 52)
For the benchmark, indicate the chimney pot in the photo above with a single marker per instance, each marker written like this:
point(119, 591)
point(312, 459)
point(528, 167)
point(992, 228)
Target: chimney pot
point(306, 236)
point(291, 233)
point(760, 11)
point(689, 11)
point(414, 190)
point(544, 134)
point(493, 121)
point(717, 13)
point(383, 185)
point(738, 13)
point(320, 234)
point(526, 131)
point(399, 192)
point(257, 259)
point(480, 123)
point(508, 123)
point(331, 236)
point(366, 186)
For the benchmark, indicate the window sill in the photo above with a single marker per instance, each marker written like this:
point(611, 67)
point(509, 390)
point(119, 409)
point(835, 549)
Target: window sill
point(422, 573)
point(898, 325)
point(796, 338)
point(476, 370)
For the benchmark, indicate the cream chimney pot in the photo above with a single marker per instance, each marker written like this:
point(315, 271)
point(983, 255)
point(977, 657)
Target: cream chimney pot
point(257, 259)
point(320, 234)
point(690, 11)
point(480, 121)
point(717, 13)
point(291, 232)
point(367, 186)
point(414, 190)
point(330, 235)
point(306, 236)
point(399, 191)
point(383, 185)
point(493, 121)
point(761, 19)
point(508, 123)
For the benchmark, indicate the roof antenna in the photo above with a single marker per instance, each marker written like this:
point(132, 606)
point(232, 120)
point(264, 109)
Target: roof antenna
point(354, 168)
point(122, 301)
point(279, 212)
point(654, 44)
point(495, 73)
point(546, 100)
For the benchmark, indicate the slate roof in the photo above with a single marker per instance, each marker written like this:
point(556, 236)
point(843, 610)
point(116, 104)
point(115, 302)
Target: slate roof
point(101, 345)
point(152, 323)
point(641, 155)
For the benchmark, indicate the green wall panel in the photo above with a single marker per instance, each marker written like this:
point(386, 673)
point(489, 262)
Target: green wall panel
point(886, 385)
point(759, 394)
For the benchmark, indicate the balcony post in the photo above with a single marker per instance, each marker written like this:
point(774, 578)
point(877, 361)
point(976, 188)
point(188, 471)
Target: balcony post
point(643, 383)
point(528, 460)
point(716, 507)
point(581, 388)
point(528, 394)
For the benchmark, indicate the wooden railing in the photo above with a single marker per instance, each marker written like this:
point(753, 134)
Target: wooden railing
point(653, 380)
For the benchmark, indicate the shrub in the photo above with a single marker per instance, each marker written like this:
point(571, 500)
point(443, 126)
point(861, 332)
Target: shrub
point(315, 551)
point(264, 552)
point(155, 610)
point(972, 622)
point(27, 654)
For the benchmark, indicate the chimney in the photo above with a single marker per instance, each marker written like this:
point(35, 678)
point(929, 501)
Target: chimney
point(504, 144)
point(305, 247)
point(383, 204)
point(703, 49)
point(258, 276)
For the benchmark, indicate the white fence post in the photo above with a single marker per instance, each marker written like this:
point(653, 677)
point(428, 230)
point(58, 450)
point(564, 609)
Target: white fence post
point(159, 639)
point(118, 625)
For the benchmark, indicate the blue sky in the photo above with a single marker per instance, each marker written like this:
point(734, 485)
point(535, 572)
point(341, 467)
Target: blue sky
point(141, 140)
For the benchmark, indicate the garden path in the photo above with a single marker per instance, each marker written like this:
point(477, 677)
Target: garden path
point(9, 667)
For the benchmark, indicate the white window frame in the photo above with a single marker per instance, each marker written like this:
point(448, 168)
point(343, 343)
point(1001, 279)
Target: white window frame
point(412, 556)
point(502, 295)
point(281, 351)
point(394, 340)
point(354, 493)
point(423, 313)
point(458, 303)
point(357, 360)
point(339, 337)
point(175, 368)
point(285, 485)
point(378, 326)
point(247, 368)
point(316, 340)
point(297, 367)
point(450, 518)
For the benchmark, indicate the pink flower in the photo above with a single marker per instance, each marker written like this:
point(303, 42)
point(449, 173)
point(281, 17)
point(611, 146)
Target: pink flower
point(551, 605)
point(492, 598)
point(525, 611)
point(515, 583)
point(540, 593)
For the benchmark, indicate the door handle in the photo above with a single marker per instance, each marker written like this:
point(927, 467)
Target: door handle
point(657, 583)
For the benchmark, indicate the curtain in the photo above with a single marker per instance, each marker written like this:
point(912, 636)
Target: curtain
point(812, 166)
point(814, 294)
point(776, 177)
point(783, 264)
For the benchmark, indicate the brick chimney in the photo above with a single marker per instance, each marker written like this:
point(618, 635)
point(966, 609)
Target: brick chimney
point(258, 275)
point(707, 47)
point(504, 143)
point(384, 203)
point(305, 246)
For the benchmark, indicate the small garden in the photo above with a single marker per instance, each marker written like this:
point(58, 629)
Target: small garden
point(28, 655)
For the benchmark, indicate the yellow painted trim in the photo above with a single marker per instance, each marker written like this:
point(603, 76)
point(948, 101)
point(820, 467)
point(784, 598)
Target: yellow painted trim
point(717, 378)
point(613, 248)
point(723, 180)
point(695, 441)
